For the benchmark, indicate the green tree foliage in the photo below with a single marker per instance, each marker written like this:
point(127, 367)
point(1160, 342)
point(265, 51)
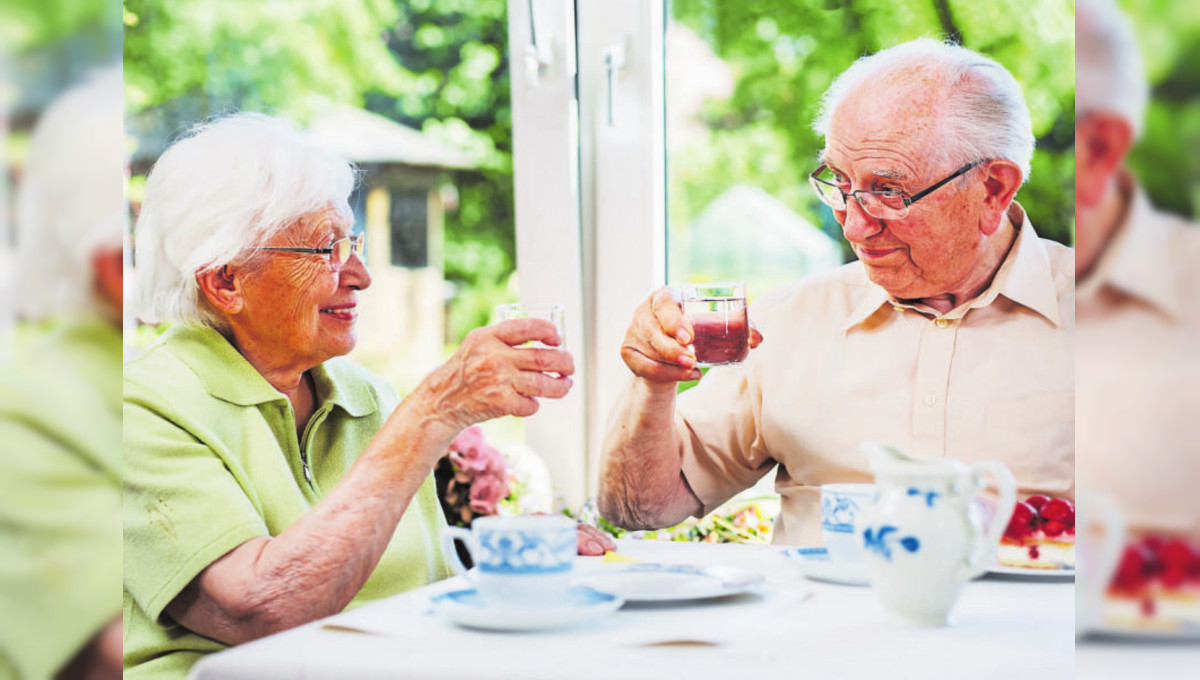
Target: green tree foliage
point(785, 53)
point(437, 65)
point(268, 54)
point(1165, 159)
point(28, 24)
point(457, 51)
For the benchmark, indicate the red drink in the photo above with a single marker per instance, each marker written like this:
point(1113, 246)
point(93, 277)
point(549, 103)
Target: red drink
point(721, 337)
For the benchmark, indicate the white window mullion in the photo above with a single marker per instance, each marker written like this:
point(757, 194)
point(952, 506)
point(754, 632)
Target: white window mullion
point(623, 192)
point(546, 197)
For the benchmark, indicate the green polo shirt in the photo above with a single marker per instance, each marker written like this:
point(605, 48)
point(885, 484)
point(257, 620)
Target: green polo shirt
point(60, 494)
point(212, 460)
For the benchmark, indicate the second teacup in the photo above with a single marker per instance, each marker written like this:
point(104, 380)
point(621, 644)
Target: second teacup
point(522, 561)
point(841, 505)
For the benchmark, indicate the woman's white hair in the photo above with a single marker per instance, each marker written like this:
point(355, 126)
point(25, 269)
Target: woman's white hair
point(216, 194)
point(983, 112)
point(69, 203)
point(1109, 74)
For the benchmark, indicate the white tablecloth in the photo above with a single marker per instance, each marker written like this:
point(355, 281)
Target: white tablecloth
point(789, 627)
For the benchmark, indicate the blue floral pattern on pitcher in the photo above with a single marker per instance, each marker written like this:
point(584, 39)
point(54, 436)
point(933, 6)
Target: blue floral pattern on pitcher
point(519, 552)
point(930, 496)
point(885, 539)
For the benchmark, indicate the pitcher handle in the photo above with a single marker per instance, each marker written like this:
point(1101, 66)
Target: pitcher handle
point(988, 538)
point(468, 539)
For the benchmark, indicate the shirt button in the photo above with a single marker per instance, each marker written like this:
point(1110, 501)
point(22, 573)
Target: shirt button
point(942, 323)
point(929, 400)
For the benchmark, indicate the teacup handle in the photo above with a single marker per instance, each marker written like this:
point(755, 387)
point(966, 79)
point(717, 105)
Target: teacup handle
point(987, 538)
point(468, 539)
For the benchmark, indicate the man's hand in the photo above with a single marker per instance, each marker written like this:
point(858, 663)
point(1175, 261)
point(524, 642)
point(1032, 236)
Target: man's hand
point(658, 344)
point(593, 541)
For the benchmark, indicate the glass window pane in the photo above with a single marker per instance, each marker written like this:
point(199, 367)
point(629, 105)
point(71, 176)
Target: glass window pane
point(739, 205)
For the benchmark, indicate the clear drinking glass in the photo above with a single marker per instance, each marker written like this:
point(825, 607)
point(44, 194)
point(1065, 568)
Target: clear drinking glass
point(717, 312)
point(552, 313)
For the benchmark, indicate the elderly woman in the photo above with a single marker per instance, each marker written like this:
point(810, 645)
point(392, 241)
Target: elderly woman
point(267, 483)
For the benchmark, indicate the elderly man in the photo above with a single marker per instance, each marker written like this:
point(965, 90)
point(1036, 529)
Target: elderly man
point(950, 337)
point(1139, 318)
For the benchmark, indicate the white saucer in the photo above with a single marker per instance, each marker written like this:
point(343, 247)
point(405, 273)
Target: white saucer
point(815, 564)
point(669, 582)
point(1046, 574)
point(468, 608)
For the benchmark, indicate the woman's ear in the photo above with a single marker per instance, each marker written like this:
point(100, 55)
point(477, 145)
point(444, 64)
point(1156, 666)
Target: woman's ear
point(222, 288)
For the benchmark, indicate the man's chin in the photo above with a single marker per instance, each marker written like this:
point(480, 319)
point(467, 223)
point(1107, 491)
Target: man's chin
point(891, 280)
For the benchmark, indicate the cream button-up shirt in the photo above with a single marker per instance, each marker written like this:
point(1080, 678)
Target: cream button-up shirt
point(1138, 370)
point(841, 362)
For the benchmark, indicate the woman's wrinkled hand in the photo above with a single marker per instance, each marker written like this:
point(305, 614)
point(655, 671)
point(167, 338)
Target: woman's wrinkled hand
point(492, 376)
point(593, 541)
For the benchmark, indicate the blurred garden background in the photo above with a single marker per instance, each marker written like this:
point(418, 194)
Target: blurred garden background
point(418, 93)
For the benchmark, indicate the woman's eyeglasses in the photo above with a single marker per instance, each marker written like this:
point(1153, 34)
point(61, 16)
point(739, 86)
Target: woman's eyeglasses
point(339, 251)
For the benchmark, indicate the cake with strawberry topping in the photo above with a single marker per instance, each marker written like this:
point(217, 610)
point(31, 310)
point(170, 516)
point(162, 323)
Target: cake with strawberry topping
point(1040, 535)
point(1156, 586)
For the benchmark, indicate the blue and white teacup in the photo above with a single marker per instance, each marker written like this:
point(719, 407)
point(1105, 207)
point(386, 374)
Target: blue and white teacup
point(521, 561)
point(841, 505)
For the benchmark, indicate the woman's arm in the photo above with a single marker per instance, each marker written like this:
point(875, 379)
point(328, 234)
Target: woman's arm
point(315, 567)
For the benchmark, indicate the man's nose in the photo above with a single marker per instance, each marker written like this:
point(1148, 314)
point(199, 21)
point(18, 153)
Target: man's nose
point(857, 225)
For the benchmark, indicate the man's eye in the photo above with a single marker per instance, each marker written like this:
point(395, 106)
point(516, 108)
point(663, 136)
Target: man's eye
point(890, 192)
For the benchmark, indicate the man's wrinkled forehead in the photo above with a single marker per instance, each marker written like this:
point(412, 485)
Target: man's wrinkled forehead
point(882, 170)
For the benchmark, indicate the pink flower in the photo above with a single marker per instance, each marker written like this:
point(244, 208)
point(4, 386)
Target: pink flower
point(469, 452)
point(486, 493)
point(480, 478)
point(469, 440)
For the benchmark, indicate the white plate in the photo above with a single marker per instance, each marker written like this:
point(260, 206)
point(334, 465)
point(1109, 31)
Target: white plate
point(647, 582)
point(1110, 631)
point(814, 563)
point(468, 608)
point(1048, 574)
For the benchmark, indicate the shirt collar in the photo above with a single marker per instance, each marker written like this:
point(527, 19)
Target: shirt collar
point(1025, 277)
point(1133, 262)
point(227, 375)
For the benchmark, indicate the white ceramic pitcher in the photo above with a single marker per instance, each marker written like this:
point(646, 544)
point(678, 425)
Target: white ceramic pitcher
point(924, 535)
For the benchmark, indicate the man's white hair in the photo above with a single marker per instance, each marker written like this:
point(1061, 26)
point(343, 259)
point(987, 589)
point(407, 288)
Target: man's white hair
point(216, 194)
point(1109, 74)
point(983, 113)
point(69, 203)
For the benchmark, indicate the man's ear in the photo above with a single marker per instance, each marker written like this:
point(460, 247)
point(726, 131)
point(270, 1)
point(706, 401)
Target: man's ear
point(1000, 186)
point(222, 288)
point(1101, 142)
point(109, 267)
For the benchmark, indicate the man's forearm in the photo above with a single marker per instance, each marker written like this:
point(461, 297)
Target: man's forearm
point(641, 480)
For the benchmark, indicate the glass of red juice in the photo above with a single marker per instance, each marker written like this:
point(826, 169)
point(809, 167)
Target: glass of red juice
point(717, 312)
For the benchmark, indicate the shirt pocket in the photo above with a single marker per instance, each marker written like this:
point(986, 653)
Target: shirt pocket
point(1035, 436)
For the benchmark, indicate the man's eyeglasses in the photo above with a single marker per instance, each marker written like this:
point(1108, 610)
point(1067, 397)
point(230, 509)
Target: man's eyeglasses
point(339, 251)
point(885, 204)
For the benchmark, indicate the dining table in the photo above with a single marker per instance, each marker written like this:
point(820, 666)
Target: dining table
point(785, 626)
